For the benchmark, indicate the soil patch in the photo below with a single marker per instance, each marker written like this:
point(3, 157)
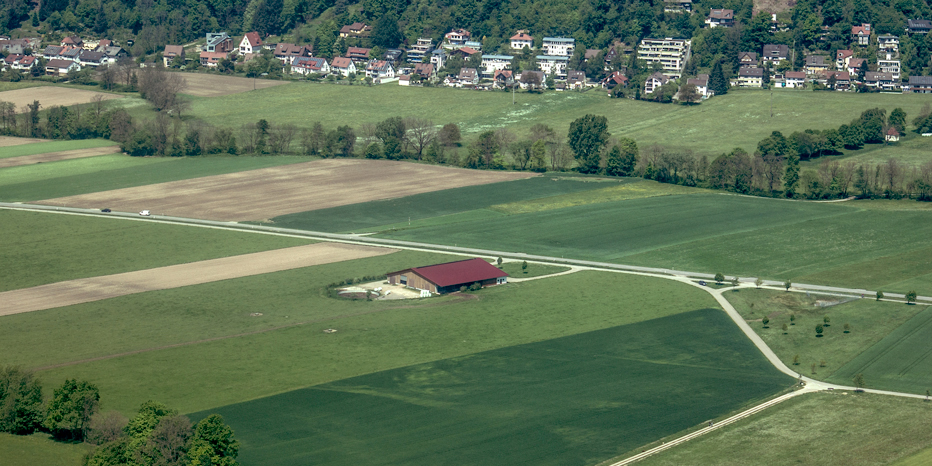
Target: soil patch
point(50, 95)
point(7, 141)
point(270, 192)
point(212, 85)
point(96, 288)
point(56, 156)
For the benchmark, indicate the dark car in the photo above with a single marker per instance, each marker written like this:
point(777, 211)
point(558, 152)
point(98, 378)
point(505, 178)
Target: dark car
point(105, 210)
point(702, 282)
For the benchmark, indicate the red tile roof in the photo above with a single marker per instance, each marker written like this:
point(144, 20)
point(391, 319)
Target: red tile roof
point(253, 38)
point(457, 273)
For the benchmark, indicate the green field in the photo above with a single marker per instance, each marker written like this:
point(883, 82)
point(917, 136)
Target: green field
point(53, 146)
point(574, 400)
point(533, 270)
point(39, 449)
point(831, 429)
point(48, 248)
point(441, 207)
point(900, 361)
point(106, 172)
point(697, 128)
point(873, 325)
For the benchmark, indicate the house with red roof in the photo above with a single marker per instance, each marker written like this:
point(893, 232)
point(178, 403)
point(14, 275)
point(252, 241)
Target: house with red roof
point(343, 65)
point(450, 276)
point(521, 40)
point(861, 35)
point(250, 43)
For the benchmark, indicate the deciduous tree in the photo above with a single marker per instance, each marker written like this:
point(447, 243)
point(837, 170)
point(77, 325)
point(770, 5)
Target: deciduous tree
point(21, 408)
point(587, 136)
point(70, 410)
point(212, 443)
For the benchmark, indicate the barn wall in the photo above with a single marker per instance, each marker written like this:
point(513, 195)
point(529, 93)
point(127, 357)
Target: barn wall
point(414, 281)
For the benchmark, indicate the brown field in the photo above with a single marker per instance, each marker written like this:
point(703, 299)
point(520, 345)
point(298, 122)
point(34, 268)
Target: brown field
point(262, 194)
point(773, 6)
point(56, 156)
point(96, 288)
point(213, 85)
point(7, 141)
point(51, 95)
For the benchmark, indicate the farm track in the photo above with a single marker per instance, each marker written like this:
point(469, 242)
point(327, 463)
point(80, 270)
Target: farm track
point(57, 156)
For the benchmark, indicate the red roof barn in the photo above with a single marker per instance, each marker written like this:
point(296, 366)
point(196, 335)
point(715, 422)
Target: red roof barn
point(449, 277)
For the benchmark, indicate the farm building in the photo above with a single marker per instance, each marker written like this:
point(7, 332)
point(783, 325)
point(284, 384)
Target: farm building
point(449, 277)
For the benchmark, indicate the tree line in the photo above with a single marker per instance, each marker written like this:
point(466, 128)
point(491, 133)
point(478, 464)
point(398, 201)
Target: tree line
point(156, 435)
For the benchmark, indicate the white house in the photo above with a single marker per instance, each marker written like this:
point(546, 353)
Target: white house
point(493, 63)
point(521, 40)
point(794, 79)
point(250, 43)
point(702, 85)
point(343, 65)
point(379, 69)
point(889, 66)
point(555, 65)
point(310, 65)
point(558, 46)
point(654, 82)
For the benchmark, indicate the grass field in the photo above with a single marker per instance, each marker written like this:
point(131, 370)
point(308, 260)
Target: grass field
point(573, 400)
point(697, 128)
point(439, 207)
point(48, 248)
point(105, 172)
point(872, 323)
point(898, 362)
point(831, 429)
point(293, 352)
point(533, 270)
point(53, 146)
point(922, 458)
point(39, 449)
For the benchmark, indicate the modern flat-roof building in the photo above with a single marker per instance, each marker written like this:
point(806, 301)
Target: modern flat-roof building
point(672, 54)
point(554, 65)
point(558, 46)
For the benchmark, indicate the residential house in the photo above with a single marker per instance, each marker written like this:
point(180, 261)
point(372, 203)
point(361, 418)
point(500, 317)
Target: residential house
point(251, 43)
point(212, 59)
point(438, 58)
point(359, 53)
point(842, 57)
point(747, 59)
point(493, 63)
point(72, 41)
point(615, 79)
point(854, 65)
point(404, 80)
point(171, 53)
point(879, 80)
point(421, 49)
point(392, 56)
point(918, 26)
point(113, 53)
point(892, 135)
point(343, 66)
point(794, 79)
point(861, 35)
point(888, 43)
point(101, 44)
point(677, 6)
point(590, 54)
point(521, 40)
point(575, 79)
point(702, 85)
point(654, 82)
point(466, 77)
point(721, 18)
point(889, 66)
point(456, 38)
point(558, 46)
point(12, 59)
point(750, 76)
point(816, 64)
point(775, 53)
point(553, 65)
point(919, 85)
point(671, 54)
point(310, 65)
point(59, 67)
point(477, 46)
point(218, 42)
point(531, 79)
point(90, 58)
point(842, 80)
point(379, 70)
point(617, 49)
point(52, 52)
point(503, 78)
point(287, 53)
point(425, 70)
point(25, 63)
point(356, 29)
point(71, 53)
point(464, 52)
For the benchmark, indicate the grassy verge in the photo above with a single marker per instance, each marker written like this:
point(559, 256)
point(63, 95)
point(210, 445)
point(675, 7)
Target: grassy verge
point(53, 146)
point(870, 322)
point(105, 172)
point(39, 449)
point(48, 248)
point(572, 400)
point(533, 270)
point(293, 352)
point(818, 428)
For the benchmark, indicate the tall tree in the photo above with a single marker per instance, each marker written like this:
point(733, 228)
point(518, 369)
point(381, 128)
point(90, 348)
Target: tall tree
point(587, 137)
point(622, 158)
point(717, 81)
point(70, 410)
point(898, 119)
point(385, 32)
point(212, 443)
point(21, 408)
point(791, 175)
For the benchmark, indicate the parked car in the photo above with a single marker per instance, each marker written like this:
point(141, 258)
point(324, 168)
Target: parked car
point(144, 213)
point(105, 210)
point(702, 282)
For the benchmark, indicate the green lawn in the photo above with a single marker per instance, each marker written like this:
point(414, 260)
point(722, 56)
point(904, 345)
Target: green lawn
point(898, 362)
point(40, 248)
point(533, 270)
point(39, 449)
point(53, 146)
point(923, 458)
point(831, 429)
point(697, 128)
point(105, 172)
point(293, 352)
point(574, 400)
point(872, 323)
